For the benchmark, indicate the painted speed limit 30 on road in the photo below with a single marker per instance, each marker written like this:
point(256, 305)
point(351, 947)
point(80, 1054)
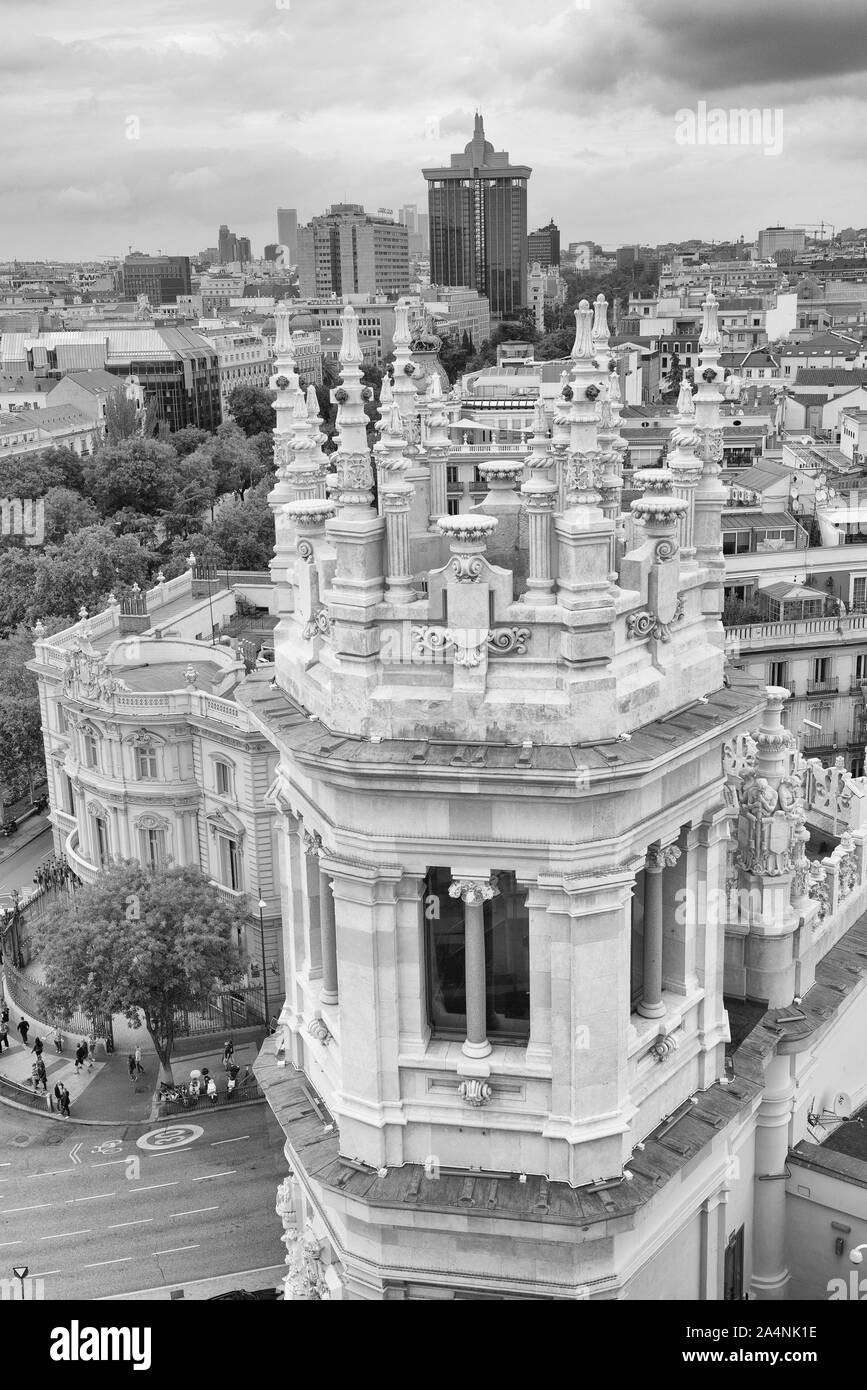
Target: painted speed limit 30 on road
point(169, 1137)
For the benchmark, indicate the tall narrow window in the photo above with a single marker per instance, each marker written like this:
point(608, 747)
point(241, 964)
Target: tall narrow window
point(68, 795)
point(91, 752)
point(223, 774)
point(231, 863)
point(103, 848)
point(146, 764)
point(152, 845)
point(778, 673)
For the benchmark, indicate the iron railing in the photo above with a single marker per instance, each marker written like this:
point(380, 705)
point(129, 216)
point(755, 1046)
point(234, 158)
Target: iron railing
point(222, 1011)
point(243, 1091)
point(28, 998)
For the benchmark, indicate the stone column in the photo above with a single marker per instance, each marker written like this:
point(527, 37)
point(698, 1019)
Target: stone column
point(396, 500)
point(328, 993)
point(770, 1272)
point(474, 893)
point(541, 499)
point(311, 848)
point(658, 857)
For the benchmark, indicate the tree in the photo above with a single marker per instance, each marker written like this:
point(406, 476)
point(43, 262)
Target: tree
point(197, 491)
point(673, 378)
point(234, 458)
point(121, 417)
point(65, 512)
point(136, 473)
point(144, 943)
point(22, 752)
point(454, 356)
point(187, 440)
point(83, 570)
point(252, 409)
point(244, 532)
point(18, 569)
point(29, 475)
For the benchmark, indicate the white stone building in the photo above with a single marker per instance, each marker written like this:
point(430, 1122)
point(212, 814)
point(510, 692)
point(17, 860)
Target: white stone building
point(150, 756)
point(528, 1048)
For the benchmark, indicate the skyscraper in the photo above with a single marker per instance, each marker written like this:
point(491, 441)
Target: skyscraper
point(478, 224)
point(287, 231)
point(161, 278)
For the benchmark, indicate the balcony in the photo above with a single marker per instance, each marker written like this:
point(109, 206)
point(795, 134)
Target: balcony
point(234, 897)
point(87, 872)
point(798, 632)
point(829, 686)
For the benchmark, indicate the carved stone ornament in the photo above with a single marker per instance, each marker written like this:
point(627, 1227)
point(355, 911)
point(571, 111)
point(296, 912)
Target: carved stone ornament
point(467, 528)
point(662, 856)
point(475, 1092)
point(87, 676)
point(647, 624)
point(472, 891)
point(304, 549)
point(469, 643)
point(665, 1045)
point(665, 550)
point(318, 1029)
point(509, 639)
point(467, 569)
point(819, 891)
point(312, 842)
point(312, 511)
point(319, 625)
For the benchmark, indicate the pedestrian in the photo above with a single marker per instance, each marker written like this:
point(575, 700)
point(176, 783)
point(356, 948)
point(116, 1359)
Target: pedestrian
point(58, 1040)
point(212, 1090)
point(23, 1029)
point(228, 1053)
point(42, 1075)
point(34, 1077)
point(4, 1036)
point(37, 1047)
point(64, 1102)
point(5, 1014)
point(79, 1058)
point(138, 1062)
point(89, 1050)
point(130, 1064)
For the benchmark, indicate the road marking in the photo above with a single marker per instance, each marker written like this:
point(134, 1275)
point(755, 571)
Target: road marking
point(95, 1198)
point(6, 1165)
point(215, 1142)
point(39, 1207)
point(206, 1176)
point(176, 1250)
point(143, 1221)
point(124, 1259)
point(278, 1270)
point(75, 1151)
point(170, 1137)
point(4, 1243)
point(152, 1186)
point(195, 1212)
point(55, 1174)
point(65, 1235)
point(45, 1273)
point(109, 1163)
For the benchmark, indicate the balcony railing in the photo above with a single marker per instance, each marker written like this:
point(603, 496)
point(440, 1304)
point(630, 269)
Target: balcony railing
point(798, 630)
point(493, 449)
point(829, 686)
point(87, 872)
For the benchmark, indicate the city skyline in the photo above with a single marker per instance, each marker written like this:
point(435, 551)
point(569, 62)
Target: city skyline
point(171, 129)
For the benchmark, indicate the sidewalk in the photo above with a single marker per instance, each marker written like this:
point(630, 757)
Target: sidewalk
point(106, 1092)
point(29, 829)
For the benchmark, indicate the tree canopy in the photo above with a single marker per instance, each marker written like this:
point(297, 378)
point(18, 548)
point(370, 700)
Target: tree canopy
point(22, 753)
point(141, 942)
point(137, 473)
point(252, 409)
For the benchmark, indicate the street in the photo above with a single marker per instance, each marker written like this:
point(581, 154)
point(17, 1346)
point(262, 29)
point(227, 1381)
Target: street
point(100, 1211)
point(18, 865)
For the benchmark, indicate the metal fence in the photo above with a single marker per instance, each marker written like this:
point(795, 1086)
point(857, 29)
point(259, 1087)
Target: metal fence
point(224, 1098)
point(27, 996)
point(223, 1011)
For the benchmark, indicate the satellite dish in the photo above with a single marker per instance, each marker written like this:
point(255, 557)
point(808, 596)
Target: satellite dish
point(842, 1104)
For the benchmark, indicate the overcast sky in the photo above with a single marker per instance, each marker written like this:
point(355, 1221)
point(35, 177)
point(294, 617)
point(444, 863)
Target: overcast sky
point(244, 106)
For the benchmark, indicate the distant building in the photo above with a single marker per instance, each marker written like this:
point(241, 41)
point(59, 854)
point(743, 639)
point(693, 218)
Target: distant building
point(177, 368)
point(346, 251)
point(544, 246)
point(53, 426)
point(87, 392)
point(287, 231)
point(243, 359)
point(161, 278)
point(233, 249)
point(478, 224)
point(456, 310)
point(773, 239)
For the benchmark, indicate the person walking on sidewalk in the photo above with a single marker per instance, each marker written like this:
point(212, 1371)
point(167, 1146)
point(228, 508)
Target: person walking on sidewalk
point(42, 1075)
point(23, 1029)
point(212, 1090)
point(64, 1101)
point(79, 1058)
point(228, 1054)
point(139, 1069)
point(88, 1052)
point(37, 1047)
point(4, 1036)
point(58, 1040)
point(4, 1014)
point(131, 1068)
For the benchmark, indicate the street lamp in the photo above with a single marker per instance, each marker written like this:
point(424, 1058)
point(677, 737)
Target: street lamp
point(264, 963)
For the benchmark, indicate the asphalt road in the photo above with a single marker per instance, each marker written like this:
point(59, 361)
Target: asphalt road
point(97, 1212)
point(19, 865)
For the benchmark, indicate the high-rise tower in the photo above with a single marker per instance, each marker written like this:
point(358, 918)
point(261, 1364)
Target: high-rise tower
point(478, 224)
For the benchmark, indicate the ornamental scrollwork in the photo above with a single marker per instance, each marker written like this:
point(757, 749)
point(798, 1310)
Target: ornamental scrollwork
point(665, 550)
point(647, 624)
point(662, 856)
point(305, 551)
point(475, 1092)
point(509, 639)
point(318, 1029)
point(466, 568)
point(469, 643)
point(472, 891)
point(319, 625)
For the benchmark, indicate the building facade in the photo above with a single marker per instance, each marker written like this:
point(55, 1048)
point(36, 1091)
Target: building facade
point(346, 251)
point(161, 278)
point(478, 224)
point(543, 246)
point(243, 359)
point(149, 757)
point(516, 787)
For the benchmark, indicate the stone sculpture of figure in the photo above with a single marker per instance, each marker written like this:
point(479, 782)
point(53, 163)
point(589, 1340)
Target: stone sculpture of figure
point(761, 803)
point(789, 794)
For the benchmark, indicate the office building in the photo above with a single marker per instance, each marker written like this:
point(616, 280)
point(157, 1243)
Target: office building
point(346, 251)
point(478, 224)
point(287, 231)
point(543, 246)
point(233, 249)
point(160, 278)
point(773, 239)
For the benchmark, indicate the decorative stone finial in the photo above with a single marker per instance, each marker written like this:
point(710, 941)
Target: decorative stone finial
point(710, 334)
point(600, 321)
point(685, 402)
point(191, 675)
point(582, 349)
point(350, 350)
